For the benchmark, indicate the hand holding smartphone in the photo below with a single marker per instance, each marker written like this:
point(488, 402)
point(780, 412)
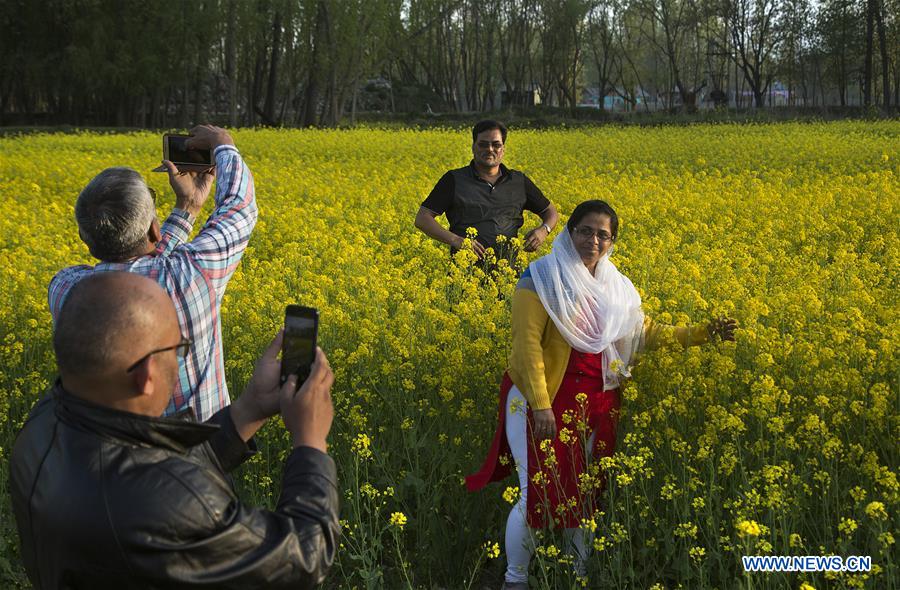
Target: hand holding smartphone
point(186, 160)
point(307, 410)
point(298, 349)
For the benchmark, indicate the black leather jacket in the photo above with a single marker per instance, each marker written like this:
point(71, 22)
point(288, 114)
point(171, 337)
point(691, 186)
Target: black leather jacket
point(110, 499)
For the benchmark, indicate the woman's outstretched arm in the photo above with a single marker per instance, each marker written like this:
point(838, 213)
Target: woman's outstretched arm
point(659, 335)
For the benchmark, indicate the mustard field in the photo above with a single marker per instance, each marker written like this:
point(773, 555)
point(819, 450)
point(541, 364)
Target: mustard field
point(784, 442)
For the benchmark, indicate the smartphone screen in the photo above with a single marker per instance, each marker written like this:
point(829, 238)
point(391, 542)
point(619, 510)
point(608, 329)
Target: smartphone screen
point(298, 349)
point(176, 152)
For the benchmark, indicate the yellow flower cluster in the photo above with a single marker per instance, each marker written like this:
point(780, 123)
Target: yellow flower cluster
point(491, 550)
point(748, 528)
point(876, 511)
point(792, 229)
point(361, 445)
point(398, 519)
point(551, 551)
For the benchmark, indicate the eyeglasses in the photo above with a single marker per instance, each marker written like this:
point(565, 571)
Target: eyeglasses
point(181, 349)
point(586, 233)
point(497, 145)
point(152, 194)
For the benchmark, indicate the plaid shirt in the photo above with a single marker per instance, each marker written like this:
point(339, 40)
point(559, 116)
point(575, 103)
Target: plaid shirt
point(195, 275)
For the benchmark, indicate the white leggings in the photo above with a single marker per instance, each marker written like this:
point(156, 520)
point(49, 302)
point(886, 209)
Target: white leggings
point(519, 539)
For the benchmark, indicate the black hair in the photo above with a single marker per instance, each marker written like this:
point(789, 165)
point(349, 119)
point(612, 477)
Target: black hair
point(594, 206)
point(487, 125)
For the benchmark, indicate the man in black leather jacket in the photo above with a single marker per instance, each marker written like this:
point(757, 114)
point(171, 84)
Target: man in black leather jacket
point(107, 494)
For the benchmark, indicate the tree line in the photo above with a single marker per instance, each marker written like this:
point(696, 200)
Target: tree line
point(322, 62)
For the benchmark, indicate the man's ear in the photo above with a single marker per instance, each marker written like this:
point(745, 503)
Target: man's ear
point(154, 234)
point(85, 242)
point(143, 379)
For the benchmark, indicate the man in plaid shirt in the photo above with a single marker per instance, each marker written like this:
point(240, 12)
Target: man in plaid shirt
point(116, 217)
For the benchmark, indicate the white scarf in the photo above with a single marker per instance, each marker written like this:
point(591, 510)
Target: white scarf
point(599, 313)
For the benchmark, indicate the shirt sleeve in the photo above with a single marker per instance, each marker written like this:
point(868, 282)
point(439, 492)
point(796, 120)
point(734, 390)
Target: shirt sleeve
point(218, 247)
point(526, 360)
point(657, 335)
point(535, 201)
point(60, 286)
point(441, 197)
point(175, 230)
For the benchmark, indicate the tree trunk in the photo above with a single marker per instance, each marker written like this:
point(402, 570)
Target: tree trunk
point(311, 101)
point(166, 105)
point(259, 72)
point(140, 118)
point(393, 104)
point(820, 76)
point(185, 93)
point(897, 89)
point(335, 99)
point(759, 96)
point(867, 68)
point(198, 84)
point(882, 46)
point(271, 87)
point(230, 65)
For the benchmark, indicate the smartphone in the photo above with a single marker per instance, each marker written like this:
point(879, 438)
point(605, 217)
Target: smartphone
point(175, 151)
point(298, 348)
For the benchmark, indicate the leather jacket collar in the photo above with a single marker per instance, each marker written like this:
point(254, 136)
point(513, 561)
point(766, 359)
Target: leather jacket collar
point(178, 433)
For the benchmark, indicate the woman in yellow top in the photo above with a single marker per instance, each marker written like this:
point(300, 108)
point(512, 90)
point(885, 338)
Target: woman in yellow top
point(577, 325)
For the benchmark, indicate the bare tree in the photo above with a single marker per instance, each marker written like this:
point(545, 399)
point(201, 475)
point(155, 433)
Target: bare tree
point(673, 31)
point(755, 38)
point(841, 33)
point(601, 40)
point(885, 58)
point(517, 34)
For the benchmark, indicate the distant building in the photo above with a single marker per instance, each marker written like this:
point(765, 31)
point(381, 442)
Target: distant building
point(614, 100)
point(520, 98)
point(776, 96)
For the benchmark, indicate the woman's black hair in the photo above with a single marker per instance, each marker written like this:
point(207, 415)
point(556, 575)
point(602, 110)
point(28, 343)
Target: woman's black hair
point(594, 206)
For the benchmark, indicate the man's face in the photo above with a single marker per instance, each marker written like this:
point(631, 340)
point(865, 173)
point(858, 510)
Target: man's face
point(160, 342)
point(488, 148)
point(168, 360)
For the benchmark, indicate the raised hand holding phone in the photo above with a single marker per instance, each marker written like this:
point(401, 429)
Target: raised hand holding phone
point(191, 188)
point(298, 351)
point(309, 412)
point(194, 152)
point(188, 159)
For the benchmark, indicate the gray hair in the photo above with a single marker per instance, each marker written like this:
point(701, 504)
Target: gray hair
point(114, 213)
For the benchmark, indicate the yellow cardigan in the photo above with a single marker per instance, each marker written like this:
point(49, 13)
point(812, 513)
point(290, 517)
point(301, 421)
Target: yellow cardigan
point(540, 354)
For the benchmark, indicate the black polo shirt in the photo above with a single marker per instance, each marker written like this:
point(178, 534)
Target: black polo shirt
point(493, 210)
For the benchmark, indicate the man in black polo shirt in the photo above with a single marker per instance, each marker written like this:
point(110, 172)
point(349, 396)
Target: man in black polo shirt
point(487, 196)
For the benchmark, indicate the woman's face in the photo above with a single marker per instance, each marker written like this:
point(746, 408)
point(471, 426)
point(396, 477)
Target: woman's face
point(592, 237)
